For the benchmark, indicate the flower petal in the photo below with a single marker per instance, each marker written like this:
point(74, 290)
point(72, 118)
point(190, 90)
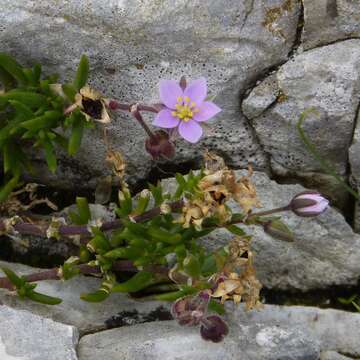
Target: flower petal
point(164, 119)
point(206, 111)
point(197, 90)
point(170, 90)
point(190, 131)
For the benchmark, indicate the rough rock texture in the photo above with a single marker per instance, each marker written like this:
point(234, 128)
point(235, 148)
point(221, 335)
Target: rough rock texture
point(326, 21)
point(170, 341)
point(332, 355)
point(25, 336)
point(354, 160)
point(117, 310)
point(323, 245)
point(327, 80)
point(231, 43)
point(335, 330)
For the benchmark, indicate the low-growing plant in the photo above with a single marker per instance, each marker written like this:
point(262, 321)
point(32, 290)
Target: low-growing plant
point(154, 248)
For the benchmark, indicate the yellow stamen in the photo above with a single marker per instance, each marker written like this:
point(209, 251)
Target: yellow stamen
point(184, 112)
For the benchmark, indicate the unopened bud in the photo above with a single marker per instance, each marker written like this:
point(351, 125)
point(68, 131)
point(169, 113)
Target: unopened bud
point(159, 145)
point(308, 204)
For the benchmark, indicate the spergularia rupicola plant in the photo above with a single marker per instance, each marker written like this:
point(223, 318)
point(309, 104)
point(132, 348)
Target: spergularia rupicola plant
point(152, 249)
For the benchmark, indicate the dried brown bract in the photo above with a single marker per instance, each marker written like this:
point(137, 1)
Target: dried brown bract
point(238, 280)
point(217, 187)
point(117, 163)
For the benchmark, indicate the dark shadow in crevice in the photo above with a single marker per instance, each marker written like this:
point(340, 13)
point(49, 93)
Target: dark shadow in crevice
point(322, 298)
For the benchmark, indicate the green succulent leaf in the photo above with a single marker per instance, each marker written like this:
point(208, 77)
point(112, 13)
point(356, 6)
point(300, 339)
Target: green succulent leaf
point(70, 91)
point(138, 282)
point(31, 99)
point(6, 189)
point(217, 307)
point(82, 73)
point(236, 230)
point(42, 298)
point(9, 64)
point(6, 79)
point(76, 133)
point(83, 215)
point(16, 280)
point(97, 296)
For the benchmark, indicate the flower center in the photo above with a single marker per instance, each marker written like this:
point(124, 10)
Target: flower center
point(92, 107)
point(185, 109)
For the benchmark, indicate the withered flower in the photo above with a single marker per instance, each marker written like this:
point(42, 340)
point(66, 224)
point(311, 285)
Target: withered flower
point(213, 328)
point(192, 311)
point(117, 163)
point(92, 104)
point(238, 280)
point(242, 190)
point(189, 310)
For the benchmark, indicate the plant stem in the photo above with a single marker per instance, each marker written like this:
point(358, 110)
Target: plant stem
point(269, 212)
point(136, 114)
point(53, 274)
point(82, 230)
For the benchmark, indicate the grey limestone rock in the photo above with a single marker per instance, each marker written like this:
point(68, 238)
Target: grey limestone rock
point(169, 341)
point(117, 310)
point(229, 42)
point(334, 329)
point(25, 336)
point(327, 21)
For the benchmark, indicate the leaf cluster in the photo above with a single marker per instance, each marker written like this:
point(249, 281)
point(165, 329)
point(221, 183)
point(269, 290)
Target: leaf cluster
point(32, 118)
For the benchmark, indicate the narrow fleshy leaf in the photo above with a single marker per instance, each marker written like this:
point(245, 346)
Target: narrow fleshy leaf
point(12, 67)
point(138, 282)
point(42, 298)
point(82, 73)
point(76, 134)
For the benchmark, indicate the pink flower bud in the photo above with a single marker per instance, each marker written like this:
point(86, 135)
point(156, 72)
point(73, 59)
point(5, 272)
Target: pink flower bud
point(308, 204)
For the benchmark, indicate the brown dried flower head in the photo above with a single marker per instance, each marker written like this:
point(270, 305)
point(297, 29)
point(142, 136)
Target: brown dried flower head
point(238, 280)
point(92, 104)
point(117, 163)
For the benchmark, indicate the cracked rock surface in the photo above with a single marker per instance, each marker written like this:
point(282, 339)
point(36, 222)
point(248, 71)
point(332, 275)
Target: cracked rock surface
point(26, 336)
point(170, 341)
point(87, 317)
point(325, 79)
point(266, 61)
point(327, 21)
point(229, 42)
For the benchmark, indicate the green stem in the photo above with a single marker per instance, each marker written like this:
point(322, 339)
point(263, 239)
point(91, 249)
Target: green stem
point(269, 212)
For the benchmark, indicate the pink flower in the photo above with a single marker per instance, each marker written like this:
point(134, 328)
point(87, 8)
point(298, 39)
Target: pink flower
point(309, 203)
point(184, 109)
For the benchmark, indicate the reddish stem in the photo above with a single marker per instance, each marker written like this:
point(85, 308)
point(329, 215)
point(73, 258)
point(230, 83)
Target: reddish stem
point(82, 230)
point(53, 274)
